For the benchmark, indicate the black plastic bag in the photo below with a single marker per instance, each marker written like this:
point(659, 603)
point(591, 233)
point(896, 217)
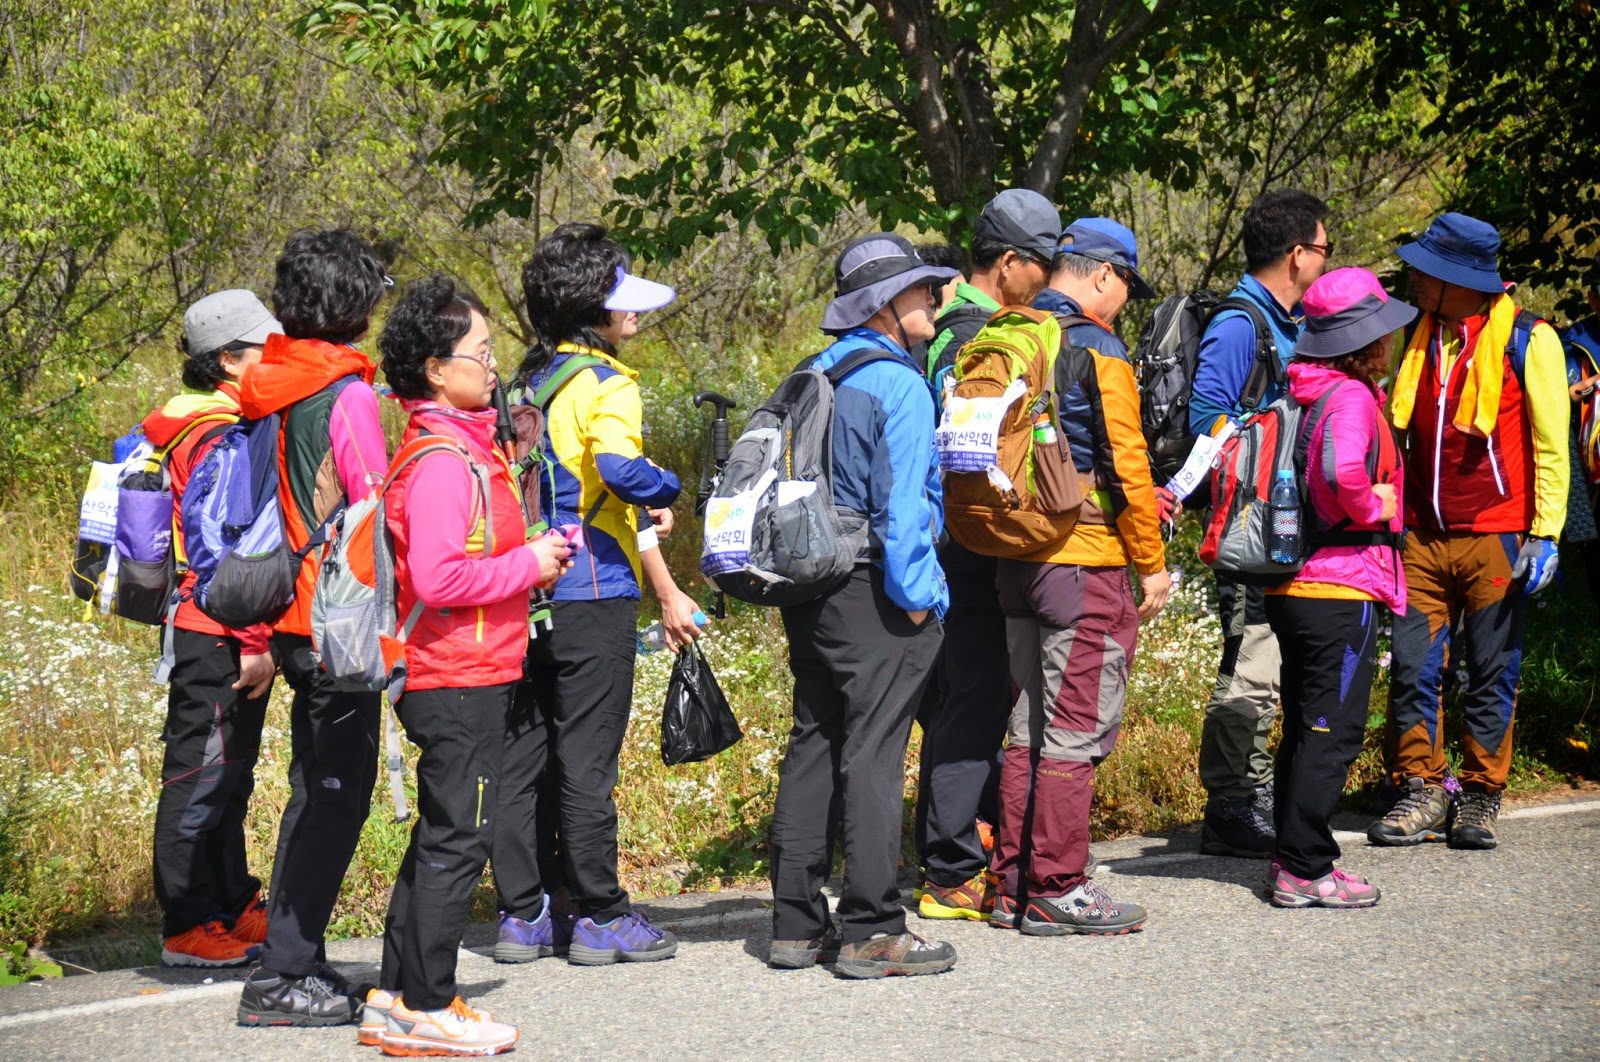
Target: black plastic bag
point(696, 722)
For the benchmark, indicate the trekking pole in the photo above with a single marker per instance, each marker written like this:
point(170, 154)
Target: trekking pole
point(711, 466)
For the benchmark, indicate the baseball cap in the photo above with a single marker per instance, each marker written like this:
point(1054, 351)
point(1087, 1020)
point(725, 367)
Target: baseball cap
point(223, 317)
point(636, 294)
point(1022, 220)
point(1105, 240)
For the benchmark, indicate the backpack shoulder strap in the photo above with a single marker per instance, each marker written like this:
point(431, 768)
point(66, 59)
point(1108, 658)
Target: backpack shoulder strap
point(945, 324)
point(856, 359)
point(546, 392)
point(1267, 371)
point(1517, 345)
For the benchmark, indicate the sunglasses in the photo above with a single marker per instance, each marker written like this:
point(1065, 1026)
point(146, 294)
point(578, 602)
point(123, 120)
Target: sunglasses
point(1324, 249)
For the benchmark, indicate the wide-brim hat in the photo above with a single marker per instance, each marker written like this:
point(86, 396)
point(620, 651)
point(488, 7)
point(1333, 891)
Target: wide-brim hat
point(1346, 310)
point(871, 272)
point(637, 295)
point(1459, 250)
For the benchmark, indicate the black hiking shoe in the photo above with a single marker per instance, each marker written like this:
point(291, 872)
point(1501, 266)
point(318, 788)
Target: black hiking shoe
point(886, 955)
point(802, 954)
point(269, 999)
point(1476, 816)
point(1238, 826)
point(1422, 814)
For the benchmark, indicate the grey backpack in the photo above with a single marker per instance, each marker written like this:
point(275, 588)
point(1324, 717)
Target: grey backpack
point(773, 535)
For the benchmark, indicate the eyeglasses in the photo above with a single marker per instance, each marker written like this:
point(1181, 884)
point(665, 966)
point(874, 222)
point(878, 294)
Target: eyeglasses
point(486, 361)
point(1324, 249)
point(1123, 274)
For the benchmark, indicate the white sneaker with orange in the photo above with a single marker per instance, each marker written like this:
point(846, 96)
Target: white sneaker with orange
point(375, 1016)
point(457, 1030)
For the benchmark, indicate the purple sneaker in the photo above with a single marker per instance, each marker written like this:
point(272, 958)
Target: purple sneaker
point(626, 938)
point(523, 941)
point(1337, 888)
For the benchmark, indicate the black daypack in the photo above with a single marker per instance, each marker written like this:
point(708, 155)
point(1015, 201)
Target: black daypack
point(1164, 364)
point(773, 535)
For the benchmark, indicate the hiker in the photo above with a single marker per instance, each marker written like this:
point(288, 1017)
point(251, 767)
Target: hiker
point(1286, 248)
point(326, 286)
point(860, 653)
point(969, 697)
point(555, 844)
point(212, 911)
point(949, 256)
point(1071, 620)
point(1480, 397)
point(463, 568)
point(1326, 617)
point(1582, 341)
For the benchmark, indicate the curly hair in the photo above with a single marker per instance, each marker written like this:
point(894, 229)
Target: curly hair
point(1367, 364)
point(566, 282)
point(427, 322)
point(327, 284)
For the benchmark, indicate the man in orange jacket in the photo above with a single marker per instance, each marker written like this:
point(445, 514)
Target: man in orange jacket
point(1480, 397)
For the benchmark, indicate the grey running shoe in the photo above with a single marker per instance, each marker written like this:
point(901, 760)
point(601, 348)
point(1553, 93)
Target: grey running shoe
point(268, 999)
point(1238, 826)
point(1423, 814)
point(887, 955)
point(802, 954)
point(1086, 909)
point(1475, 820)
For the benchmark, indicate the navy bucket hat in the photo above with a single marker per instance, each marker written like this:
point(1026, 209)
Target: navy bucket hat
point(1458, 250)
point(871, 272)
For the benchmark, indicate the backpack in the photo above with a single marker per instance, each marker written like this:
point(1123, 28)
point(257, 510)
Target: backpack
point(939, 365)
point(1010, 488)
point(147, 557)
point(1167, 352)
point(234, 530)
point(355, 632)
point(529, 413)
point(1583, 377)
point(90, 574)
point(1239, 525)
point(773, 535)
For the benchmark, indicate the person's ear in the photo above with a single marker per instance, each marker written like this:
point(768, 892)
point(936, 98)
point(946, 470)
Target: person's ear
point(434, 372)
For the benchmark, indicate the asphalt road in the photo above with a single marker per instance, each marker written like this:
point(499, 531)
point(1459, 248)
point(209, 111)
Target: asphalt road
point(1470, 955)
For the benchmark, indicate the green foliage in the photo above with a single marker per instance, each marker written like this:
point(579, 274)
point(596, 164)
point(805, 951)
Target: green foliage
point(18, 965)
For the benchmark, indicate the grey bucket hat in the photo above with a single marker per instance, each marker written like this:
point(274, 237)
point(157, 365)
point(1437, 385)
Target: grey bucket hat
point(871, 272)
point(223, 317)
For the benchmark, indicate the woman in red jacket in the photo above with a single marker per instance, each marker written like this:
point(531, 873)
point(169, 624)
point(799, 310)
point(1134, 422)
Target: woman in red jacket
point(461, 552)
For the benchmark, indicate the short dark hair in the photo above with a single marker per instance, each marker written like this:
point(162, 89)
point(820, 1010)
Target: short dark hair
point(947, 255)
point(327, 283)
point(427, 322)
point(565, 283)
point(202, 370)
point(1277, 222)
point(1076, 265)
point(986, 252)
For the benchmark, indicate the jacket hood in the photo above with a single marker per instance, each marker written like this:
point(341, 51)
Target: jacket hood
point(1309, 381)
point(164, 424)
point(293, 369)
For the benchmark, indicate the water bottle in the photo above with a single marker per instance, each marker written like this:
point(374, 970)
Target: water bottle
point(1283, 507)
point(653, 638)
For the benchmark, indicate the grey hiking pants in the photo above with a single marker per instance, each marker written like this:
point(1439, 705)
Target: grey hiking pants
point(1244, 703)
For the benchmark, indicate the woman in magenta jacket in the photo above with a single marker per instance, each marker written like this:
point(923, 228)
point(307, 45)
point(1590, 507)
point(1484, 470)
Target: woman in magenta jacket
point(461, 552)
point(1326, 617)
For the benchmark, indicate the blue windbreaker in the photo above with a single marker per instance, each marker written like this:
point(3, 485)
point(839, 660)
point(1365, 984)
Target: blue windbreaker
point(1228, 352)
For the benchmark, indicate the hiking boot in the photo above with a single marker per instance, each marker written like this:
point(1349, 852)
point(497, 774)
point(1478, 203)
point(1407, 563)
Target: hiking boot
point(375, 1016)
point(1087, 909)
point(208, 944)
point(269, 999)
point(802, 954)
point(1004, 915)
point(251, 924)
point(1423, 814)
point(523, 941)
point(973, 899)
point(1337, 888)
point(626, 938)
point(1238, 826)
point(1475, 820)
point(457, 1030)
point(888, 955)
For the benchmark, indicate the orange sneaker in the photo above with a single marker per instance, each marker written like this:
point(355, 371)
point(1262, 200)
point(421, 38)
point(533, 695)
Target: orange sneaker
point(251, 925)
point(456, 1030)
point(972, 899)
point(207, 944)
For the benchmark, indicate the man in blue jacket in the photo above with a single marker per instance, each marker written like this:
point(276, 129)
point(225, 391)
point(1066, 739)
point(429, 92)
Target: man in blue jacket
point(861, 653)
point(1286, 247)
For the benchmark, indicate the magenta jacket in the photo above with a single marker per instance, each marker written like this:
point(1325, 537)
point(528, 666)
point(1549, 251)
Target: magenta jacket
point(1341, 488)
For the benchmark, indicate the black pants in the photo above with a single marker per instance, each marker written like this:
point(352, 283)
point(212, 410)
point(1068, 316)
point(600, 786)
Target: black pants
point(859, 666)
point(333, 764)
point(461, 733)
point(212, 738)
point(569, 717)
point(962, 736)
point(1329, 651)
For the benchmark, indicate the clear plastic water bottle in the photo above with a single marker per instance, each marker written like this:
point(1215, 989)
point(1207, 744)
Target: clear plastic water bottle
point(653, 638)
point(1283, 506)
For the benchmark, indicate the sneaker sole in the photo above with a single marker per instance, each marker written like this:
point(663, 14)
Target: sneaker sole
point(1473, 846)
point(1031, 928)
point(261, 1019)
point(1294, 900)
point(371, 1037)
point(178, 960)
point(504, 951)
point(800, 958)
point(858, 970)
point(417, 1047)
point(931, 908)
point(1421, 837)
point(1002, 922)
point(582, 955)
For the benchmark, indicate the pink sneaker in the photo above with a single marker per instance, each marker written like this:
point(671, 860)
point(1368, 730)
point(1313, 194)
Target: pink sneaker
point(1338, 888)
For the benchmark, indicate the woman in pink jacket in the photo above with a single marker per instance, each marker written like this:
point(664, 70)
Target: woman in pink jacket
point(461, 553)
point(1326, 617)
